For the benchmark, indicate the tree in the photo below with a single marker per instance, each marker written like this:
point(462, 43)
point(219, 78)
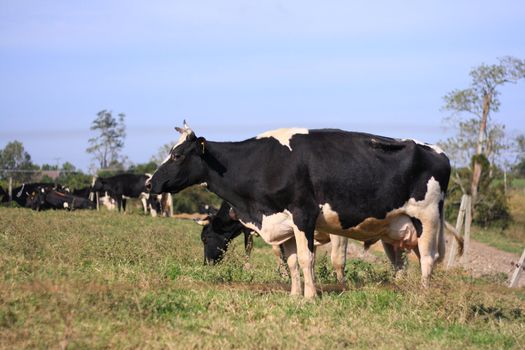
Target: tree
point(481, 101)
point(72, 177)
point(107, 146)
point(14, 158)
point(519, 168)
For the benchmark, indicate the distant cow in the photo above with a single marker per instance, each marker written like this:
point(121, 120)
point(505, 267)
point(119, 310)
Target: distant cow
point(22, 193)
point(161, 204)
point(122, 186)
point(295, 186)
point(51, 199)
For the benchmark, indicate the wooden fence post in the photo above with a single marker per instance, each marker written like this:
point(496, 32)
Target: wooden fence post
point(520, 266)
point(10, 188)
point(459, 224)
point(466, 234)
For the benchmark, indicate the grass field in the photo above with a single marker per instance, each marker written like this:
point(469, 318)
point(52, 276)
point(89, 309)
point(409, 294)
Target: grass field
point(88, 280)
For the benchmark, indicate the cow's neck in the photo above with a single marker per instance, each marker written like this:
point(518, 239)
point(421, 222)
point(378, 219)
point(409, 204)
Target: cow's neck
point(224, 160)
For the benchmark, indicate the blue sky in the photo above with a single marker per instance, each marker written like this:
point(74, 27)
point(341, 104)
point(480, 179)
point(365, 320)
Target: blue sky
point(236, 68)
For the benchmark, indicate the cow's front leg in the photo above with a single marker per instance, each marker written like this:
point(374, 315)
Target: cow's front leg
point(338, 256)
point(119, 203)
point(304, 226)
point(290, 255)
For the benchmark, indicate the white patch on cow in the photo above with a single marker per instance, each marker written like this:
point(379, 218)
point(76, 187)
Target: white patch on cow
point(283, 135)
point(204, 184)
point(66, 205)
point(108, 202)
point(279, 227)
point(183, 137)
point(436, 148)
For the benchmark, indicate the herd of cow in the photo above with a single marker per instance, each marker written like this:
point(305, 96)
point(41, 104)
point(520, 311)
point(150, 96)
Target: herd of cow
point(111, 192)
point(297, 189)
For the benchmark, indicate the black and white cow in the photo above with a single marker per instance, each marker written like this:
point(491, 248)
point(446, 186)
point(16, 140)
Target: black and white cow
point(21, 194)
point(307, 184)
point(121, 186)
point(44, 198)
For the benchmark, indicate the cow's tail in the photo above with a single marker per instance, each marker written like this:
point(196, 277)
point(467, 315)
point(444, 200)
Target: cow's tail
point(456, 235)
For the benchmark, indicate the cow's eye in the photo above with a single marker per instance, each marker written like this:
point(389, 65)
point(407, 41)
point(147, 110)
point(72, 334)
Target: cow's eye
point(176, 156)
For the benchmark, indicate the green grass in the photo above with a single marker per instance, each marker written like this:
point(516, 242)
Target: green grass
point(93, 280)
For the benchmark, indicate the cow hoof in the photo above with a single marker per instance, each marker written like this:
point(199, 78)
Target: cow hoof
point(400, 274)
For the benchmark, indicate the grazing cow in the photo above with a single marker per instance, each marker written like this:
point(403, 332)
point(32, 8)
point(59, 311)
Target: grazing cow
point(307, 184)
point(21, 195)
point(44, 198)
point(120, 187)
point(221, 228)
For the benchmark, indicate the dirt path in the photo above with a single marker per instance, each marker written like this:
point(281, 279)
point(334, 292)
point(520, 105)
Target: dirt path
point(486, 260)
point(482, 260)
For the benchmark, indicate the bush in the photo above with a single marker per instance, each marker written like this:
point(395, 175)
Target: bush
point(491, 206)
point(193, 198)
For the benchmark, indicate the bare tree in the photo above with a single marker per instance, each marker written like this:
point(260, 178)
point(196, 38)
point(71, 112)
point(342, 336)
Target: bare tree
point(481, 101)
point(106, 147)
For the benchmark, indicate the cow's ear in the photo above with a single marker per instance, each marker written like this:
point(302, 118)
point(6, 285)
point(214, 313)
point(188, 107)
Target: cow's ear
point(201, 145)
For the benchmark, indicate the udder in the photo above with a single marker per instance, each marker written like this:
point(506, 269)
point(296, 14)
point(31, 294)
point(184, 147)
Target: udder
point(401, 233)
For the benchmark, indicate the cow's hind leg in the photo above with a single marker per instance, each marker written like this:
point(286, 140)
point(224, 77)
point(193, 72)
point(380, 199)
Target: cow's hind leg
point(304, 226)
point(290, 254)
point(428, 246)
point(338, 256)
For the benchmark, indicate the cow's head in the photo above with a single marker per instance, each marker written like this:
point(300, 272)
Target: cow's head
point(183, 167)
point(215, 243)
point(98, 184)
point(218, 231)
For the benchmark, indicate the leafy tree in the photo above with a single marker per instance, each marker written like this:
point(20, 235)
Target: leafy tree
point(192, 198)
point(480, 101)
point(519, 168)
point(14, 158)
point(73, 178)
point(49, 167)
point(106, 147)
